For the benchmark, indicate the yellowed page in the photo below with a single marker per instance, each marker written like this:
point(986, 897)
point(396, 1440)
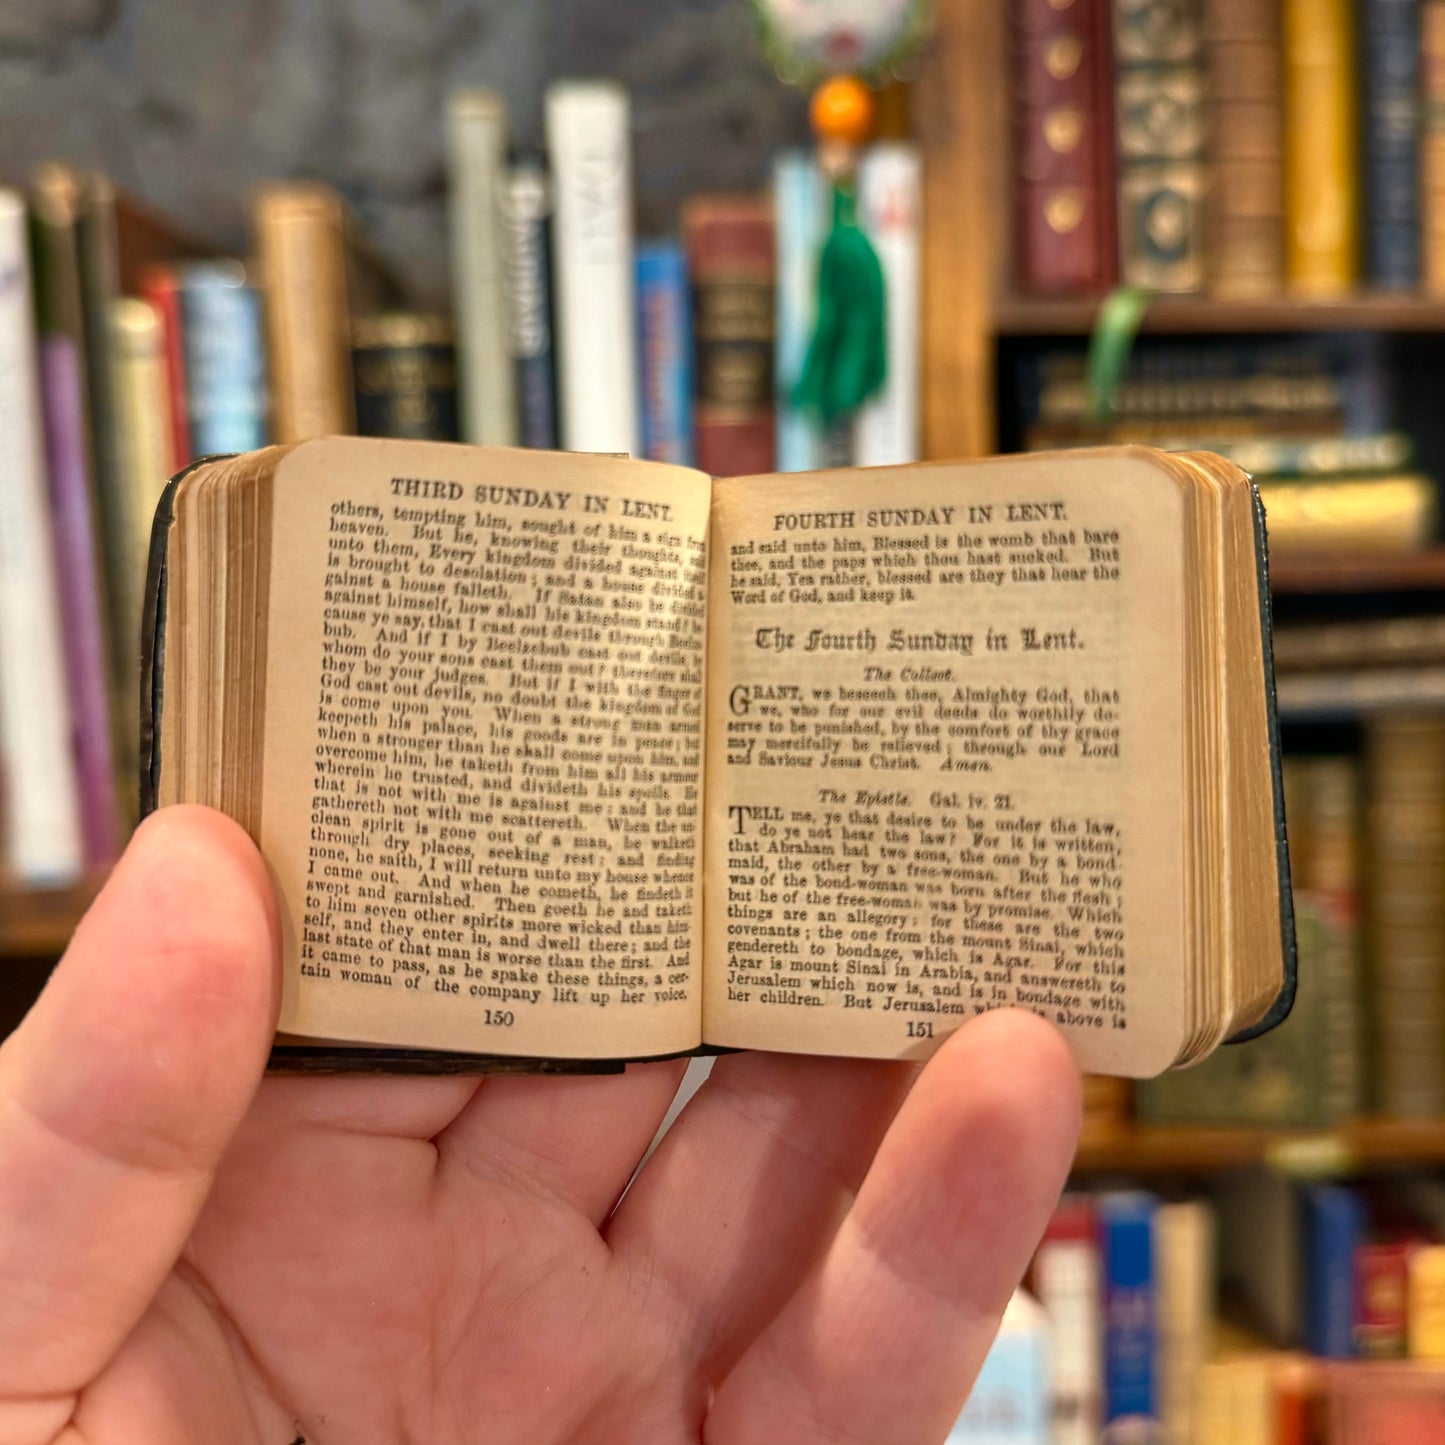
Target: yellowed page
point(483, 747)
point(945, 761)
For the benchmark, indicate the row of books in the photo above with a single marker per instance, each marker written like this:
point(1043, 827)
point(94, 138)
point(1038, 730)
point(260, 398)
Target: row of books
point(1367, 858)
point(1216, 1321)
point(1311, 418)
point(126, 352)
point(1246, 147)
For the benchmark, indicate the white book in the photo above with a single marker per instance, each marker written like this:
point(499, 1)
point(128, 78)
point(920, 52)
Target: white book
point(1066, 1276)
point(802, 204)
point(890, 210)
point(476, 158)
point(588, 137)
point(41, 817)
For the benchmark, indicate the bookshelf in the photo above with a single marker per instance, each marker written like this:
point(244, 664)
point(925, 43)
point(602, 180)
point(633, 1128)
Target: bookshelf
point(37, 923)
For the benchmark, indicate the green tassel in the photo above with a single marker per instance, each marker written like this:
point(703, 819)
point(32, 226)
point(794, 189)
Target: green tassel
point(847, 357)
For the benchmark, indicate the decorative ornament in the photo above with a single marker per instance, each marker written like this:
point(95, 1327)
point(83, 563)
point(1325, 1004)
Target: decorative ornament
point(837, 48)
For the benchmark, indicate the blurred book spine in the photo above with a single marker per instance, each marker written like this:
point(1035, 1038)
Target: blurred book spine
point(143, 415)
point(161, 287)
point(1063, 139)
point(1246, 208)
point(1426, 1306)
point(1322, 182)
point(1391, 75)
point(729, 242)
point(890, 210)
point(300, 240)
point(406, 377)
point(1406, 771)
point(1161, 128)
point(477, 153)
point(1184, 1270)
point(225, 358)
point(1432, 146)
point(1126, 1242)
point(802, 200)
point(589, 137)
point(527, 257)
point(1382, 1286)
point(74, 518)
point(1333, 1230)
point(664, 348)
point(1066, 1283)
point(1350, 514)
point(40, 830)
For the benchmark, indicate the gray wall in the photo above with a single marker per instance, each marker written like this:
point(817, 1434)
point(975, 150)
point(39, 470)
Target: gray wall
point(189, 103)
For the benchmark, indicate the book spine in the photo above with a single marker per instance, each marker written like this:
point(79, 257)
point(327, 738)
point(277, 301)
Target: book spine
point(664, 345)
point(1126, 1232)
point(730, 256)
point(1392, 142)
point(1405, 759)
point(1066, 1282)
point(1063, 147)
point(527, 252)
point(1426, 1308)
point(476, 148)
point(1382, 1284)
point(406, 377)
point(40, 822)
point(890, 210)
point(1246, 239)
point(300, 241)
point(1330, 873)
point(588, 138)
point(225, 359)
point(161, 288)
point(81, 607)
point(1161, 129)
point(1321, 166)
point(1372, 514)
point(801, 204)
point(143, 398)
point(1334, 1228)
point(1432, 146)
point(1184, 1268)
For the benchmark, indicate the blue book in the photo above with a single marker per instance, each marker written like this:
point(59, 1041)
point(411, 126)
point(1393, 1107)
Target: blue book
point(1391, 76)
point(664, 349)
point(1126, 1252)
point(225, 359)
point(1334, 1228)
point(802, 203)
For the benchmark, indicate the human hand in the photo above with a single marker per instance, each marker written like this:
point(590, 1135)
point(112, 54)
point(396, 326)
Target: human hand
point(809, 1256)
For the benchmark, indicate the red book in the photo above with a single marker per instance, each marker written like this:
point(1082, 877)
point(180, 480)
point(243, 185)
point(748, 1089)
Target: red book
point(158, 286)
point(1382, 1285)
point(730, 258)
point(1063, 146)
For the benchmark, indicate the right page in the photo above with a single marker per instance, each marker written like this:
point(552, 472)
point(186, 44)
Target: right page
point(945, 763)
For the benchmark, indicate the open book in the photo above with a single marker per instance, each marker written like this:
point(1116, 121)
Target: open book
point(569, 757)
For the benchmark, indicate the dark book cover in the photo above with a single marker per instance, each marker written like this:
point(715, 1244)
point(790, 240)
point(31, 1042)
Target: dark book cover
point(1391, 74)
point(406, 377)
point(731, 261)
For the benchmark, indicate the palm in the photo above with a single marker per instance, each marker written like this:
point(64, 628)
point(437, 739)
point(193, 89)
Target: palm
point(446, 1260)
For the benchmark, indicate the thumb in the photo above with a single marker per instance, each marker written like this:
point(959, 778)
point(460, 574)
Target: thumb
point(120, 1092)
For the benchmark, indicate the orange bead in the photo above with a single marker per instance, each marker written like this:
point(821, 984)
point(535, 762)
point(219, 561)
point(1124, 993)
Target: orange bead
point(842, 110)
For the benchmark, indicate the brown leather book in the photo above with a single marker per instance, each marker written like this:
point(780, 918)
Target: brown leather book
point(1063, 147)
point(729, 243)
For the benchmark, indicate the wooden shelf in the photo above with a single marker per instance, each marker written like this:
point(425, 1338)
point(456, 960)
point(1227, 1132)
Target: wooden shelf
point(38, 922)
point(1142, 1149)
point(1195, 315)
point(1411, 572)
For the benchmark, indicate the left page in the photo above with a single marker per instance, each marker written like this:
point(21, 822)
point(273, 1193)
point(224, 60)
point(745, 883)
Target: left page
point(483, 748)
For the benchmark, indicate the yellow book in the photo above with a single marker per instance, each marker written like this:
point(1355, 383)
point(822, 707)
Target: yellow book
point(1322, 182)
point(1427, 1303)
